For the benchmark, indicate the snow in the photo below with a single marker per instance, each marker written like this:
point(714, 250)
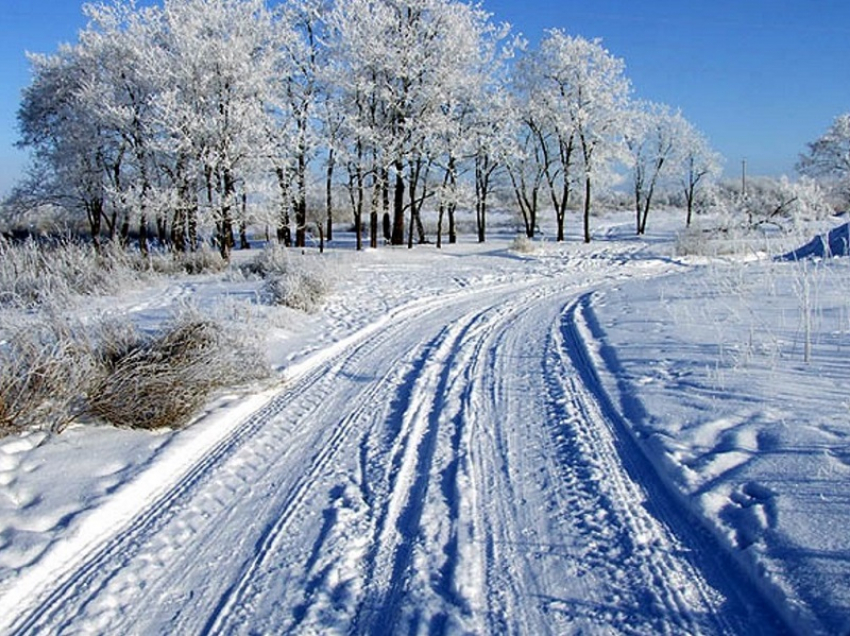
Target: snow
point(835, 243)
point(595, 438)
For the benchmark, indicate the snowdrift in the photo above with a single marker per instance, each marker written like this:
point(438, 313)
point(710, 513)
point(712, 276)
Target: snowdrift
point(835, 243)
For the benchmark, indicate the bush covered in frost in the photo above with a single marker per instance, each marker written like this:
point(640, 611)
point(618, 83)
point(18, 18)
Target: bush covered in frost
point(204, 260)
point(523, 245)
point(43, 368)
point(162, 380)
point(51, 374)
point(298, 282)
point(33, 273)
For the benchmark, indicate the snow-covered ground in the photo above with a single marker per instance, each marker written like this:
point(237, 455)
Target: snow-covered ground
point(602, 439)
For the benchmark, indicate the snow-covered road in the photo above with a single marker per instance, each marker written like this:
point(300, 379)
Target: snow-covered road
point(454, 467)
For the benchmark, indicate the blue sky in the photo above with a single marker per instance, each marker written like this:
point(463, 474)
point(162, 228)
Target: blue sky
point(760, 78)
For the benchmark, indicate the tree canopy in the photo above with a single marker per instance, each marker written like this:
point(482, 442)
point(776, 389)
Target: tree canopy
point(198, 117)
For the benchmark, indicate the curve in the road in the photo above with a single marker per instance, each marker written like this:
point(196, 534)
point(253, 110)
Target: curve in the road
point(454, 468)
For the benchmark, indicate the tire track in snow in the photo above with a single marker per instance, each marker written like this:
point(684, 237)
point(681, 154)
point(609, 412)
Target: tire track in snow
point(424, 563)
point(390, 560)
point(471, 460)
point(693, 583)
point(67, 593)
point(234, 607)
point(401, 467)
point(623, 544)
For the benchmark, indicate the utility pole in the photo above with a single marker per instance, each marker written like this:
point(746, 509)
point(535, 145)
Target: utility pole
point(744, 176)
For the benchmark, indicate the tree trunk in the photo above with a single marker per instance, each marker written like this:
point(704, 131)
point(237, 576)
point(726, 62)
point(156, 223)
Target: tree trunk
point(689, 197)
point(113, 225)
point(420, 228)
point(161, 228)
point(416, 202)
point(560, 221)
point(645, 216)
point(301, 203)
point(124, 233)
point(178, 228)
point(587, 205)
point(410, 224)
point(449, 178)
point(358, 208)
point(192, 212)
point(143, 234)
point(481, 196)
point(650, 192)
point(284, 233)
point(637, 192)
point(329, 231)
point(441, 212)
point(388, 227)
point(373, 214)
point(481, 216)
point(385, 203)
point(398, 206)
point(527, 204)
point(94, 211)
point(225, 225)
point(243, 225)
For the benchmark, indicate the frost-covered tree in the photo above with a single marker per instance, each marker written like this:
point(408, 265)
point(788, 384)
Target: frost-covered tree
point(544, 87)
point(402, 67)
point(220, 63)
point(828, 157)
point(74, 155)
point(298, 93)
point(489, 138)
point(600, 93)
point(526, 169)
point(699, 166)
point(154, 112)
point(576, 95)
point(120, 42)
point(655, 139)
point(470, 129)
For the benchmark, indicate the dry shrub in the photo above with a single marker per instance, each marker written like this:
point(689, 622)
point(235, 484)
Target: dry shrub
point(34, 274)
point(273, 260)
point(162, 381)
point(300, 289)
point(523, 245)
point(299, 283)
point(201, 261)
point(42, 368)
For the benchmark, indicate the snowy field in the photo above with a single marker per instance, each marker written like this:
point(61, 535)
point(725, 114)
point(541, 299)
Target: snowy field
point(603, 438)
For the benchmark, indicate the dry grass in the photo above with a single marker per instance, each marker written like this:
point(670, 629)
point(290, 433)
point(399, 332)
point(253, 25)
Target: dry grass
point(42, 368)
point(163, 380)
point(298, 282)
point(52, 372)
